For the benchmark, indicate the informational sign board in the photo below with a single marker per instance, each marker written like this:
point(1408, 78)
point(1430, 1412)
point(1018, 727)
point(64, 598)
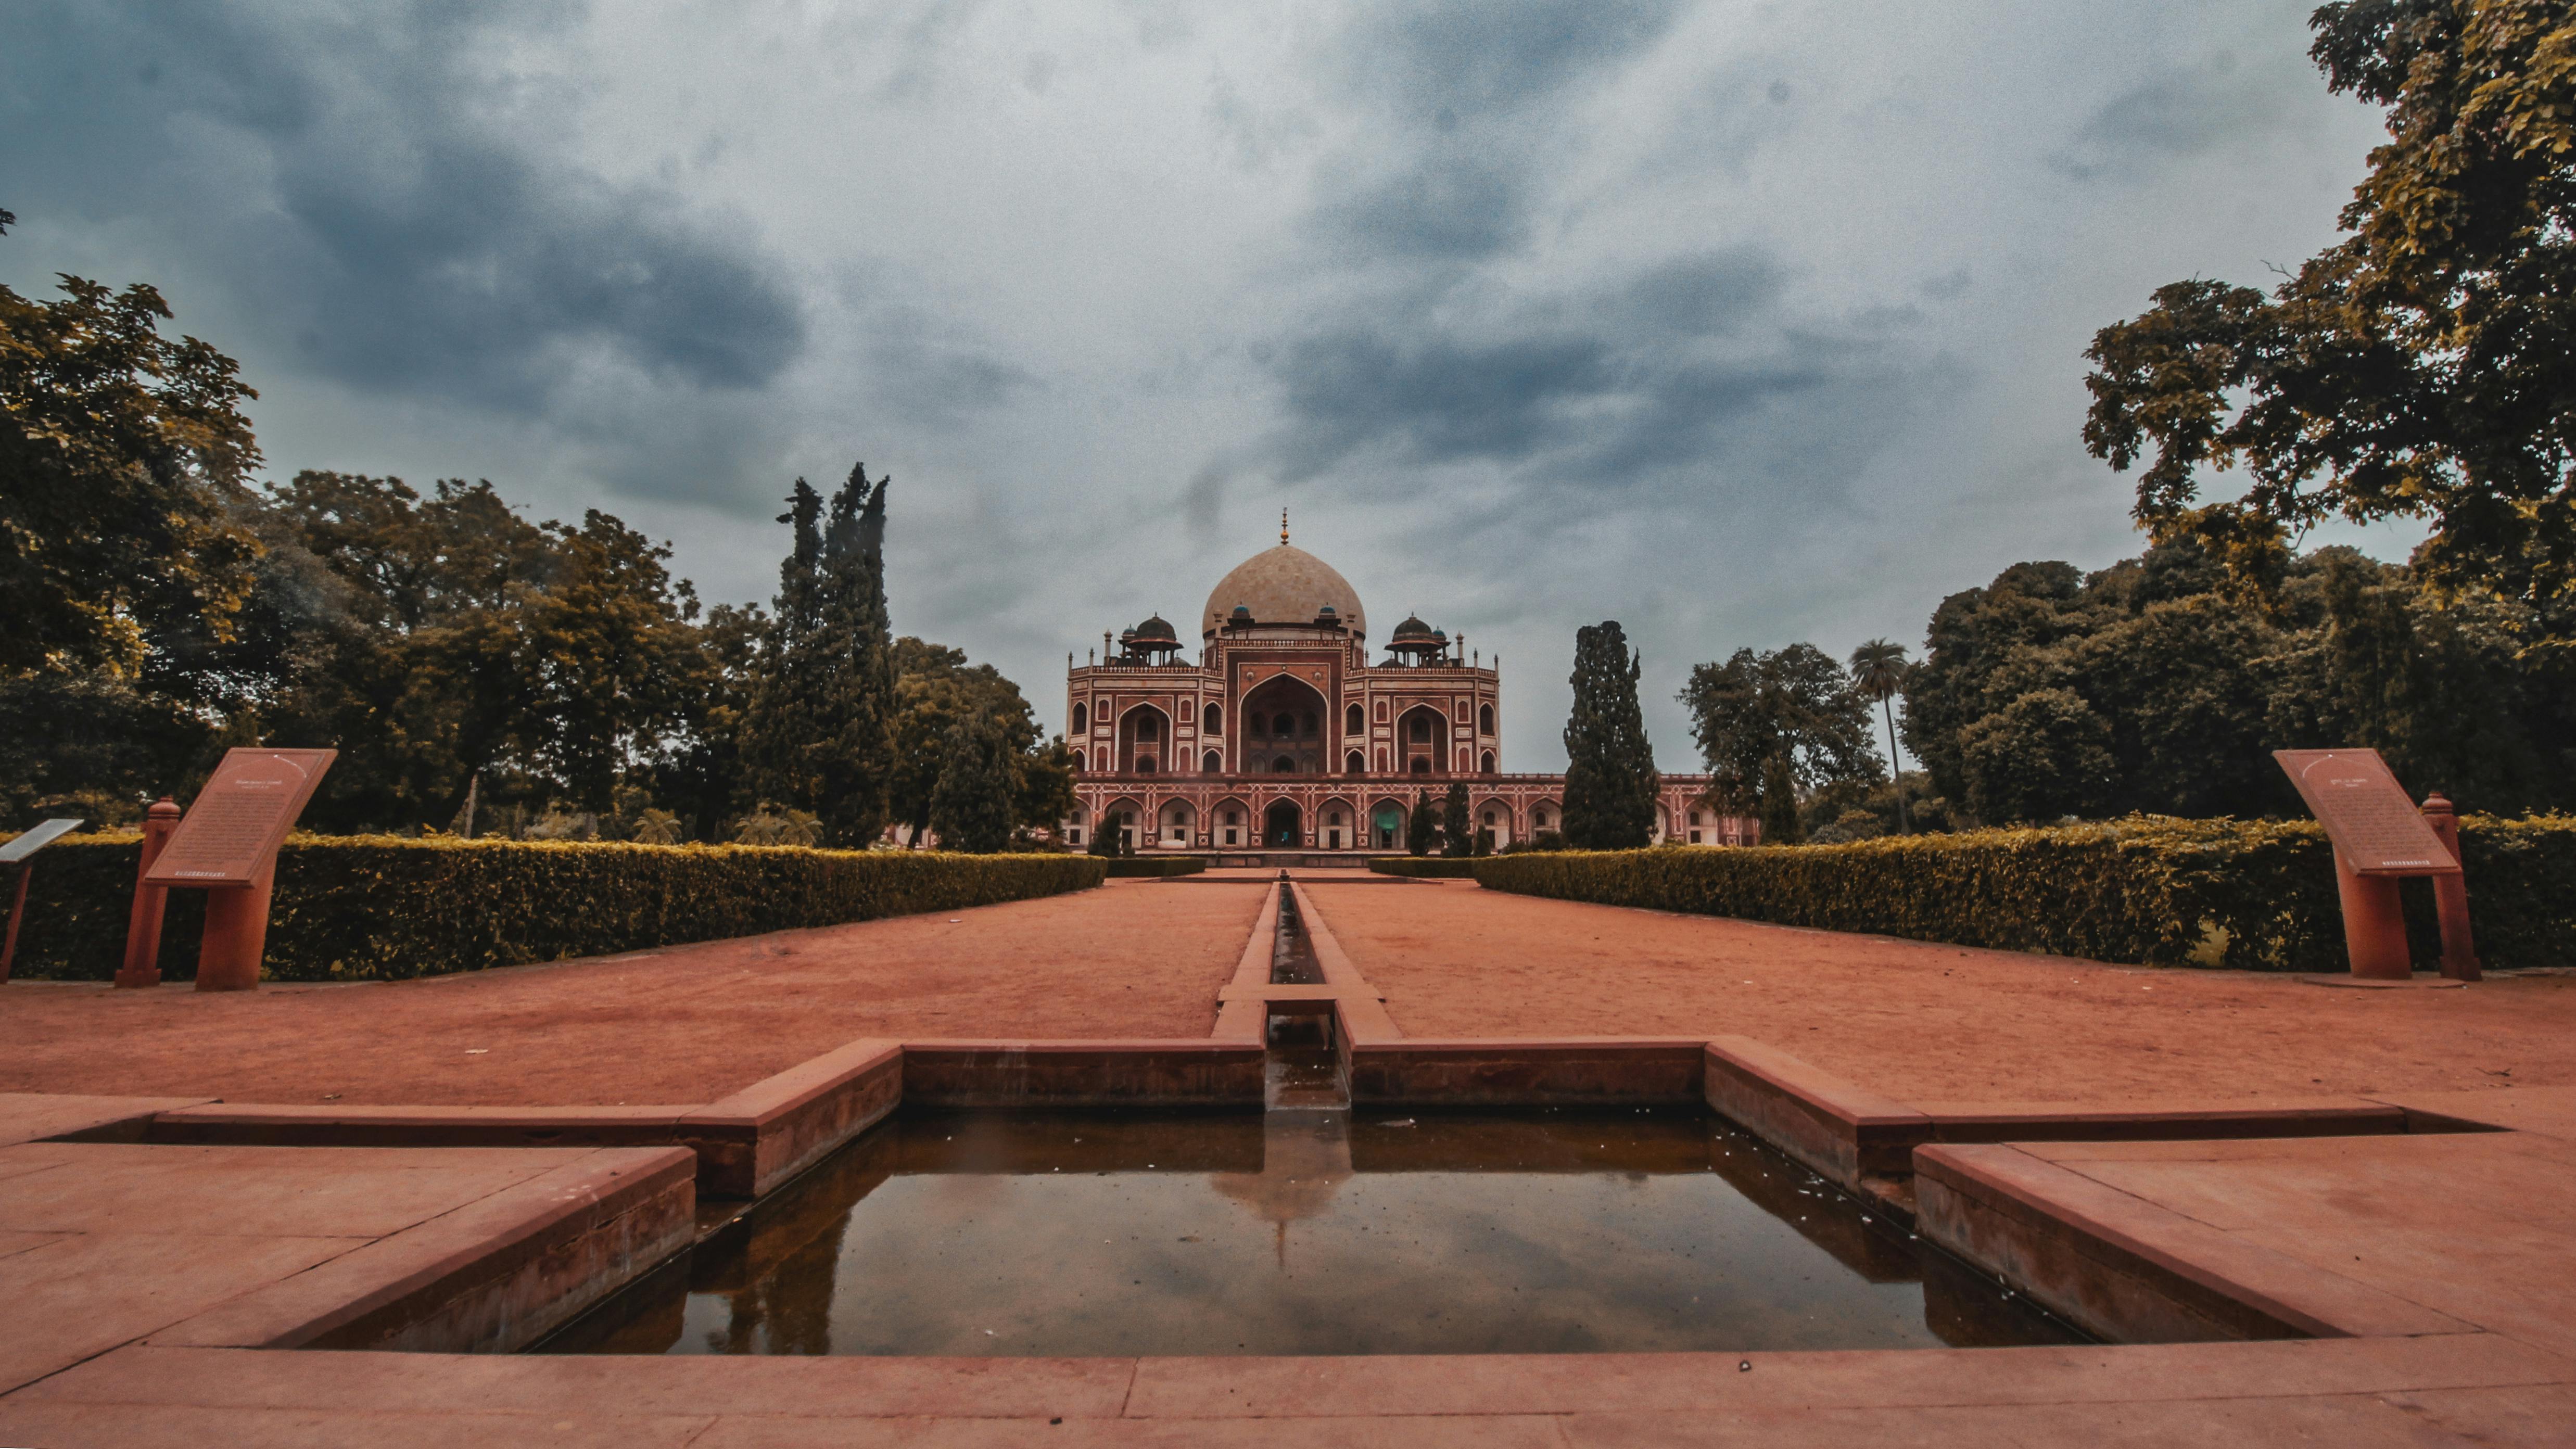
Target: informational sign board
point(35, 840)
point(2378, 830)
point(233, 830)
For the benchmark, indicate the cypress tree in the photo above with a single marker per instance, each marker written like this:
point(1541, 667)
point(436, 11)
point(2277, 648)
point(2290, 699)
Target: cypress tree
point(1610, 779)
point(1423, 827)
point(784, 697)
point(817, 729)
point(856, 730)
point(972, 806)
point(1456, 839)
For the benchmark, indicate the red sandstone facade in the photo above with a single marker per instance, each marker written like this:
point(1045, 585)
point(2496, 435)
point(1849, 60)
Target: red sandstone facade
point(1284, 737)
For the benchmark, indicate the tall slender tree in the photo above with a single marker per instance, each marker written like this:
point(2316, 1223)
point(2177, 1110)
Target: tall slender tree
point(819, 728)
point(1878, 667)
point(1422, 828)
point(778, 717)
point(858, 758)
point(1610, 779)
point(1456, 838)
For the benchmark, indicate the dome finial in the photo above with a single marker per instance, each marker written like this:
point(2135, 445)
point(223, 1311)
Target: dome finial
point(1283, 528)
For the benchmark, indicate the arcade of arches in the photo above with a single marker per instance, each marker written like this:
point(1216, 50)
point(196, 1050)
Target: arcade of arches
point(1283, 736)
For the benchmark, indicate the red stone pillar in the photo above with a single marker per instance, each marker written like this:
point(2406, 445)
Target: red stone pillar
point(2451, 894)
point(143, 923)
point(236, 934)
point(17, 908)
point(2374, 924)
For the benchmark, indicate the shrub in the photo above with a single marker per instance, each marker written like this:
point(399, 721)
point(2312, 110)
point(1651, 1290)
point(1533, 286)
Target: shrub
point(376, 908)
point(2253, 895)
point(1440, 867)
point(1157, 865)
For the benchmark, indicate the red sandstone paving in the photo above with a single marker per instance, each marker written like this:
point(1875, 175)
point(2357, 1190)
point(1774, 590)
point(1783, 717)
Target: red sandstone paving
point(685, 1024)
point(1926, 1022)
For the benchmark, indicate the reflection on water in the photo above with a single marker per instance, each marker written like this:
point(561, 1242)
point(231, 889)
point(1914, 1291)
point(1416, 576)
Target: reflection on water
point(1294, 1233)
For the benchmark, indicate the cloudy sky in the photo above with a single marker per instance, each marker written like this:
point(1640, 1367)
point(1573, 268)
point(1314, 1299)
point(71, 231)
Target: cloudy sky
point(1738, 323)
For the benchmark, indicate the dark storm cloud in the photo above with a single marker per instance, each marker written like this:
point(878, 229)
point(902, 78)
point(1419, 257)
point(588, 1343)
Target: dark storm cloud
point(1451, 63)
point(2178, 113)
point(384, 199)
point(1634, 386)
point(1457, 90)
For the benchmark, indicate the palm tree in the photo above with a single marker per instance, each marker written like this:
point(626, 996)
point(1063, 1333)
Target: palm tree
point(1879, 668)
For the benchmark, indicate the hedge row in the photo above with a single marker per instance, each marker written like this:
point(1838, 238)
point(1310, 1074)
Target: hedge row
point(1425, 867)
point(2256, 895)
point(1157, 865)
point(376, 908)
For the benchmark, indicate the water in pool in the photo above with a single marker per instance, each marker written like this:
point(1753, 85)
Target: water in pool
point(1306, 1233)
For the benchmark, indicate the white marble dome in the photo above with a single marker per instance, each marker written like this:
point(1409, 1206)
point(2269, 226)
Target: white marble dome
point(1284, 585)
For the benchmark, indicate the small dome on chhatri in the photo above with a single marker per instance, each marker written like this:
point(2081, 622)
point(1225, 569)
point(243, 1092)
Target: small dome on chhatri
point(1241, 614)
point(1156, 627)
point(1412, 628)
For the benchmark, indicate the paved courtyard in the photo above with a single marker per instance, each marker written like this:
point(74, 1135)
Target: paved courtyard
point(1921, 1021)
point(683, 1024)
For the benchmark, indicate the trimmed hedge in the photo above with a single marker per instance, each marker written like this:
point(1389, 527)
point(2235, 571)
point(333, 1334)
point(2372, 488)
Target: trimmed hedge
point(2251, 895)
point(1156, 865)
point(1425, 867)
point(379, 908)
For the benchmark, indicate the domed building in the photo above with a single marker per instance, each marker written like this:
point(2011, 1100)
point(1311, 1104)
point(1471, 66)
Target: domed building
point(1284, 741)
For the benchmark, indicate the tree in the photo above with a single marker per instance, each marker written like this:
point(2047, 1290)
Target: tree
point(1422, 829)
point(2419, 367)
point(2045, 755)
point(1107, 838)
point(818, 726)
point(973, 806)
point(1878, 668)
point(934, 688)
point(1771, 724)
point(1778, 802)
point(1610, 780)
point(1456, 838)
point(123, 462)
point(125, 456)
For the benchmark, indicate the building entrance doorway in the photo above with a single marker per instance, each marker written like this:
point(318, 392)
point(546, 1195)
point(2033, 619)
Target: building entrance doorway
point(1390, 824)
point(1281, 826)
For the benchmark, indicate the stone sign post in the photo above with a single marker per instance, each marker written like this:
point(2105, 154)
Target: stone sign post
point(143, 924)
point(227, 846)
point(17, 853)
point(2380, 837)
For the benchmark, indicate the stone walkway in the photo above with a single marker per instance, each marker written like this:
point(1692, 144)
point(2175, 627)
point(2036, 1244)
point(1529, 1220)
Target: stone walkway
point(1923, 1021)
point(681, 1024)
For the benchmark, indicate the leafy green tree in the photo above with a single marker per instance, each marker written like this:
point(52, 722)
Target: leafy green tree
point(1610, 780)
point(125, 456)
point(935, 688)
point(123, 462)
point(974, 806)
point(2045, 755)
point(1774, 724)
point(1422, 827)
point(1046, 795)
point(616, 659)
point(1878, 669)
point(1108, 838)
point(1456, 838)
point(2417, 367)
